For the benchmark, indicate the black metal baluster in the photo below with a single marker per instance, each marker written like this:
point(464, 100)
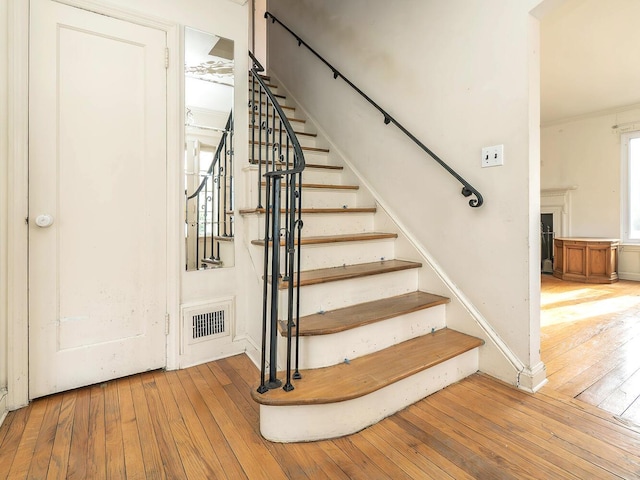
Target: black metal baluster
point(290, 250)
point(260, 150)
point(275, 280)
point(204, 220)
point(278, 168)
point(275, 147)
point(224, 196)
point(215, 211)
point(198, 232)
point(265, 297)
point(231, 186)
point(299, 225)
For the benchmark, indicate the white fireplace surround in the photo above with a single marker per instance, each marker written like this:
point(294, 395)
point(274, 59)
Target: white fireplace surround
point(557, 201)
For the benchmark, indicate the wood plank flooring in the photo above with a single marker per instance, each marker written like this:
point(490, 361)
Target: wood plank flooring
point(200, 423)
point(590, 340)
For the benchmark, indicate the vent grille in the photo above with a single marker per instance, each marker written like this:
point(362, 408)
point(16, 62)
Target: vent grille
point(209, 323)
point(206, 321)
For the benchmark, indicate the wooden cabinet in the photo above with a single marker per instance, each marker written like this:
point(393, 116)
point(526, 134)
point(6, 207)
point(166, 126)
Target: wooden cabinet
point(589, 260)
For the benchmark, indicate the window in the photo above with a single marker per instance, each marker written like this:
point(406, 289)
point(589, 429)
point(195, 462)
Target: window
point(631, 187)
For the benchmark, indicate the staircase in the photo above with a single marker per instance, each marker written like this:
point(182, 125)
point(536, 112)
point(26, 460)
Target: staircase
point(371, 342)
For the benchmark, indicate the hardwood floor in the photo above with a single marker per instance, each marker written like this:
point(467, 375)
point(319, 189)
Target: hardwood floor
point(591, 343)
point(200, 423)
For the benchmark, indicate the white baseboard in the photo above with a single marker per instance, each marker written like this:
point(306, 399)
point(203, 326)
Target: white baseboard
point(3, 405)
point(635, 277)
point(533, 379)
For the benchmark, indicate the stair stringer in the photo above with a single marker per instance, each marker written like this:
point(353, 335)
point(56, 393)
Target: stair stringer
point(496, 358)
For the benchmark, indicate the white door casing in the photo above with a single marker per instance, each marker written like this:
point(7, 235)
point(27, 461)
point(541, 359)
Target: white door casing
point(97, 143)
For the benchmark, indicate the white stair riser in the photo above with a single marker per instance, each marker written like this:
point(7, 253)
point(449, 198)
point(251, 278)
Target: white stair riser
point(304, 140)
point(328, 255)
point(309, 156)
point(303, 423)
point(323, 197)
point(318, 224)
point(311, 198)
point(345, 253)
point(324, 350)
point(324, 176)
point(311, 175)
point(343, 293)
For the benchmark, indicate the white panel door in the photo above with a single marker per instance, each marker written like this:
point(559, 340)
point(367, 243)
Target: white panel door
point(97, 171)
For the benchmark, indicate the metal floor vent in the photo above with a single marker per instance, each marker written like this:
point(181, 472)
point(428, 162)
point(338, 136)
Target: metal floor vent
point(205, 322)
point(210, 323)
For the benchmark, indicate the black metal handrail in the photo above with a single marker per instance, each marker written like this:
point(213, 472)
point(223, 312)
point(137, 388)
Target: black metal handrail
point(467, 188)
point(220, 176)
point(279, 158)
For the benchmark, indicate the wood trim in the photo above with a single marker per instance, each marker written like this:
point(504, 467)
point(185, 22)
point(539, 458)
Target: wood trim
point(372, 372)
point(18, 210)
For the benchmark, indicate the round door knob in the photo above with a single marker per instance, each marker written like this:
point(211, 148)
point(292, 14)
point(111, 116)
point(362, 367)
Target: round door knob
point(44, 220)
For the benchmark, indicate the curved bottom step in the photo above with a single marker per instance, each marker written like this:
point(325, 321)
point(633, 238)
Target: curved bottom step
point(343, 399)
point(304, 423)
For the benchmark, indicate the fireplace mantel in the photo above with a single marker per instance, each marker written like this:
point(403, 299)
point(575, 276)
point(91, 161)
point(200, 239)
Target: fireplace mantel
point(557, 201)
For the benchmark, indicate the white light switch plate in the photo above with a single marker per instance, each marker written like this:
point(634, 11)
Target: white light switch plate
point(493, 156)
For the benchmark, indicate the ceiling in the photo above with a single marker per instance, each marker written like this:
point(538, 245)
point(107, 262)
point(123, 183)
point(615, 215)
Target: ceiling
point(589, 58)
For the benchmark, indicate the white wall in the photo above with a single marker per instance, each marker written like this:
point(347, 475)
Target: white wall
point(585, 152)
point(458, 75)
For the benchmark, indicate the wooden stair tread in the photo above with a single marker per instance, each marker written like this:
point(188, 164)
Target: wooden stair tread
point(222, 238)
point(291, 119)
point(327, 186)
point(308, 149)
point(294, 131)
point(367, 374)
point(270, 85)
point(333, 274)
point(277, 95)
point(355, 316)
point(312, 211)
point(345, 237)
point(284, 107)
point(307, 165)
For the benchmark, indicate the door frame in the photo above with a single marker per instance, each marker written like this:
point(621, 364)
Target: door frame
point(18, 187)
